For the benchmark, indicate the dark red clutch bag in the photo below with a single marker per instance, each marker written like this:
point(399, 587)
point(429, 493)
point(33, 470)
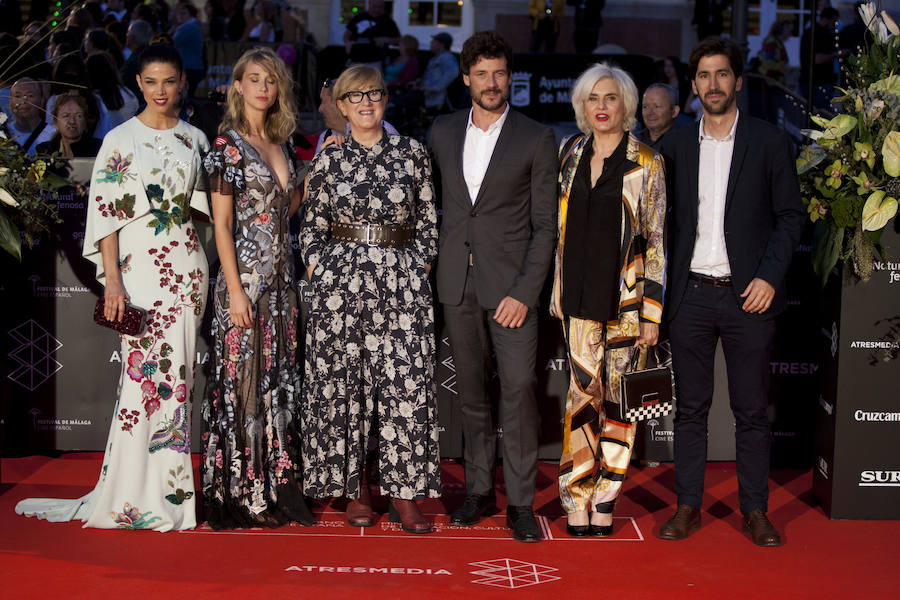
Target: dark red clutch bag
point(132, 322)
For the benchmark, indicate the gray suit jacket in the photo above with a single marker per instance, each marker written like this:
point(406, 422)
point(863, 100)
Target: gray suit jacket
point(511, 228)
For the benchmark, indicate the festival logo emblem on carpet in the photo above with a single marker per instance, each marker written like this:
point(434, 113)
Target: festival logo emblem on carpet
point(34, 355)
point(511, 573)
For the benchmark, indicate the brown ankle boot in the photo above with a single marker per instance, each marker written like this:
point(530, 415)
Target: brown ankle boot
point(407, 513)
point(359, 510)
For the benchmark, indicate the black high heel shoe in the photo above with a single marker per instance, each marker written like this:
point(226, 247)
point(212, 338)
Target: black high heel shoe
point(577, 530)
point(601, 530)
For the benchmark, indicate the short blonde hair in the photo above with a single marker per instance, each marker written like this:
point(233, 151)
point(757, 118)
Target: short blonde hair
point(585, 84)
point(356, 78)
point(281, 120)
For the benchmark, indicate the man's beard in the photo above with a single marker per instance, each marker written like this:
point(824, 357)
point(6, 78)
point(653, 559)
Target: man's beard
point(502, 98)
point(722, 108)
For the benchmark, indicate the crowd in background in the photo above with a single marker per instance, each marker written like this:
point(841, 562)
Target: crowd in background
point(93, 51)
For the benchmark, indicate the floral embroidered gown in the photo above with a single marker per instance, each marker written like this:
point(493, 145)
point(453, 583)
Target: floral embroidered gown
point(250, 420)
point(145, 183)
point(368, 390)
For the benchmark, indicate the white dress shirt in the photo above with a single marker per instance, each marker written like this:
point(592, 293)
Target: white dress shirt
point(710, 255)
point(477, 151)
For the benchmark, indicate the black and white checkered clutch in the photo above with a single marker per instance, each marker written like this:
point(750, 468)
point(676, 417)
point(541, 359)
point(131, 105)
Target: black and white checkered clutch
point(648, 392)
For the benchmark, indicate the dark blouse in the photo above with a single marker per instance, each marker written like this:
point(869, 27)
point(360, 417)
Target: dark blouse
point(590, 275)
point(86, 147)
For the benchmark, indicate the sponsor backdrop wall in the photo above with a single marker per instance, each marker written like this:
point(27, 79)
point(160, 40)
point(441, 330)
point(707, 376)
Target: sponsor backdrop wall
point(857, 415)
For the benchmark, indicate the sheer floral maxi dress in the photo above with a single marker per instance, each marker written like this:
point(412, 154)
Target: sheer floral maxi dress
point(145, 183)
point(250, 419)
point(368, 391)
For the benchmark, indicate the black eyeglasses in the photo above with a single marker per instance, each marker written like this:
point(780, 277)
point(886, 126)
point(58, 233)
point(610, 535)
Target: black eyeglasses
point(328, 83)
point(356, 97)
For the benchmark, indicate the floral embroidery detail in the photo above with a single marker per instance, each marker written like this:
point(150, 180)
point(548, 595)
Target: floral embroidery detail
point(173, 434)
point(187, 144)
point(151, 399)
point(232, 155)
point(135, 368)
point(132, 518)
point(223, 162)
point(178, 495)
point(187, 290)
point(116, 170)
point(122, 208)
point(167, 213)
point(193, 242)
point(129, 419)
point(125, 264)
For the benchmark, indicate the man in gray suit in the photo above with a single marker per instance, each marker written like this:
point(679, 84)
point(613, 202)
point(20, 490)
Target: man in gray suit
point(498, 173)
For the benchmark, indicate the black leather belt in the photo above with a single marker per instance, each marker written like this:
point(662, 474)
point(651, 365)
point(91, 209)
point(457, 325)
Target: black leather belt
point(373, 235)
point(710, 280)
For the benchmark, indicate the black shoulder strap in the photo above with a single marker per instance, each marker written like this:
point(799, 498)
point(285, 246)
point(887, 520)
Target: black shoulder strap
point(34, 134)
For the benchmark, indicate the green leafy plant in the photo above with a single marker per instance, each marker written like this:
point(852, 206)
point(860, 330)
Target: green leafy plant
point(849, 173)
point(27, 184)
point(27, 205)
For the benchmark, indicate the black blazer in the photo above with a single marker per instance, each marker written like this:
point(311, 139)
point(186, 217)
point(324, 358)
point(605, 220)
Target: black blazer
point(763, 212)
point(511, 228)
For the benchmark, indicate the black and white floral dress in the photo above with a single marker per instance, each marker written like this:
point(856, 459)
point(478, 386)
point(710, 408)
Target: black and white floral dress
point(250, 438)
point(369, 398)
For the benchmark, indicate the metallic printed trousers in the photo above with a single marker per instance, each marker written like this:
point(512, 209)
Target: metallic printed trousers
point(597, 442)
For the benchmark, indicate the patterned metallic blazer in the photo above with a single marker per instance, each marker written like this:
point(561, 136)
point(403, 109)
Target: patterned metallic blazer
point(642, 270)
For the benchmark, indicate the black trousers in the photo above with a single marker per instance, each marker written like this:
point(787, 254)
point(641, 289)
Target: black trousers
point(473, 331)
point(708, 314)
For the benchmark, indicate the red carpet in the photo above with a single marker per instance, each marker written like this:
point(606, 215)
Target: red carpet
point(821, 558)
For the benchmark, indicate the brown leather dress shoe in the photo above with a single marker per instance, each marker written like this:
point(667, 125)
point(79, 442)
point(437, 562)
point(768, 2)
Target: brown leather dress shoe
point(359, 511)
point(761, 531)
point(407, 513)
point(685, 520)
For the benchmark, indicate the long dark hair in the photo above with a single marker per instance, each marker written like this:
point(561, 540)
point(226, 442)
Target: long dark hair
point(160, 53)
point(69, 73)
point(101, 41)
point(105, 79)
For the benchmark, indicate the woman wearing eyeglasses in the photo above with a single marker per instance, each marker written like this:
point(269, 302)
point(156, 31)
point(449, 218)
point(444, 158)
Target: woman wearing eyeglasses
point(369, 236)
point(250, 415)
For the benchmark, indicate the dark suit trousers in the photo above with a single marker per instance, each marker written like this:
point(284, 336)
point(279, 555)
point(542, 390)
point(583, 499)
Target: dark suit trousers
point(472, 331)
point(705, 315)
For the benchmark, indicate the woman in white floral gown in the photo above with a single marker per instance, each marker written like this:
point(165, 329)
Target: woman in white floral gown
point(147, 180)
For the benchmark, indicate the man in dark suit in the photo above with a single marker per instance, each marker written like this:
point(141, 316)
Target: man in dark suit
point(734, 220)
point(498, 173)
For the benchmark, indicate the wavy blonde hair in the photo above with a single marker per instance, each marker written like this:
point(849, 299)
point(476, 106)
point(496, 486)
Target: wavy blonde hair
point(281, 120)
